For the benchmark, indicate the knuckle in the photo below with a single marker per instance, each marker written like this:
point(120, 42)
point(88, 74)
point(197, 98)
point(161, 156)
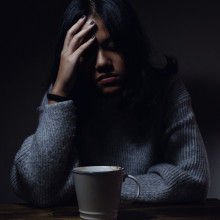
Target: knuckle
point(78, 53)
point(77, 38)
point(68, 33)
point(81, 49)
point(63, 53)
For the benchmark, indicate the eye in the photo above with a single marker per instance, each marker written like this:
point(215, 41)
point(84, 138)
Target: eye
point(111, 46)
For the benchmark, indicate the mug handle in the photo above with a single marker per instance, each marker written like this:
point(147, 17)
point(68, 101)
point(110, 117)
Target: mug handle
point(138, 188)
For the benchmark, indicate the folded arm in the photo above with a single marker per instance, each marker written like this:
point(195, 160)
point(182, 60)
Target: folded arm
point(42, 167)
point(183, 173)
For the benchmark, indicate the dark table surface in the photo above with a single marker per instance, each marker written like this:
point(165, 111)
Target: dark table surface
point(209, 210)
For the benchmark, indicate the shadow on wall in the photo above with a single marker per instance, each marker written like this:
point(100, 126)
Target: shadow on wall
point(206, 104)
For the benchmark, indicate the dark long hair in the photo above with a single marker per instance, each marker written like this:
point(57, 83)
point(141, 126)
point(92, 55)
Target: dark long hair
point(143, 80)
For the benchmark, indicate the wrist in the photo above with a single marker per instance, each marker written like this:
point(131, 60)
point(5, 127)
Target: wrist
point(60, 91)
point(56, 98)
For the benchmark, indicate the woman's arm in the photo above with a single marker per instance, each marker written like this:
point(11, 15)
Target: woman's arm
point(42, 167)
point(183, 174)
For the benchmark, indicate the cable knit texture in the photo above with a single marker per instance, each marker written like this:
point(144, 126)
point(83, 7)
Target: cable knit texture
point(164, 151)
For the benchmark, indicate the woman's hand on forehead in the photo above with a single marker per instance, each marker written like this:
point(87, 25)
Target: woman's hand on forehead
point(78, 38)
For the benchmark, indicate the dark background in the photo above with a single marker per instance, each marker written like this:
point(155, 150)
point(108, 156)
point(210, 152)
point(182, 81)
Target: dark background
point(186, 29)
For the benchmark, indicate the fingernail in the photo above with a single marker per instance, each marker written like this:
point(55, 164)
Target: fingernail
point(92, 22)
point(83, 16)
point(93, 36)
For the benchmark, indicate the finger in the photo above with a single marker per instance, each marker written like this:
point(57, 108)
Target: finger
point(73, 30)
point(83, 47)
point(79, 37)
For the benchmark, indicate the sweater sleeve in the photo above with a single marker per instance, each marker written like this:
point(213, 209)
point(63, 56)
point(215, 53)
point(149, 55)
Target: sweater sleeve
point(41, 173)
point(183, 173)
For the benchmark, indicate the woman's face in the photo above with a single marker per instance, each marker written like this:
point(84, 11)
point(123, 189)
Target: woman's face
point(103, 62)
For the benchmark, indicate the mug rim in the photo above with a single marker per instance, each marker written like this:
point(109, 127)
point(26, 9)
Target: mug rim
point(90, 169)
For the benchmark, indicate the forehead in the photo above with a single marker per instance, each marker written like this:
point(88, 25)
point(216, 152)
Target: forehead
point(101, 32)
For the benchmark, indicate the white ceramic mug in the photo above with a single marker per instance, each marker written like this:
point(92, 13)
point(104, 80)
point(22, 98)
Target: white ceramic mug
point(98, 191)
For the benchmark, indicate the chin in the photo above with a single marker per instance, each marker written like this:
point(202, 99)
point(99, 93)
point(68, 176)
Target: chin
point(110, 91)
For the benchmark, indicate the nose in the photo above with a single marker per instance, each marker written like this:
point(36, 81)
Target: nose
point(102, 60)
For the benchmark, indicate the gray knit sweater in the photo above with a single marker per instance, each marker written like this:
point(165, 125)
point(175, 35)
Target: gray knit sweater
point(164, 151)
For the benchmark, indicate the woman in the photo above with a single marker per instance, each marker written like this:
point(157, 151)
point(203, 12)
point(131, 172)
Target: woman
point(108, 105)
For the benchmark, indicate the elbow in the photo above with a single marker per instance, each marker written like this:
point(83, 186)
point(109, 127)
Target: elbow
point(35, 198)
point(198, 193)
point(31, 192)
point(196, 187)
point(200, 190)
point(200, 187)
point(40, 196)
point(194, 191)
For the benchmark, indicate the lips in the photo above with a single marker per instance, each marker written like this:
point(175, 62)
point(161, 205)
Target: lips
point(108, 78)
